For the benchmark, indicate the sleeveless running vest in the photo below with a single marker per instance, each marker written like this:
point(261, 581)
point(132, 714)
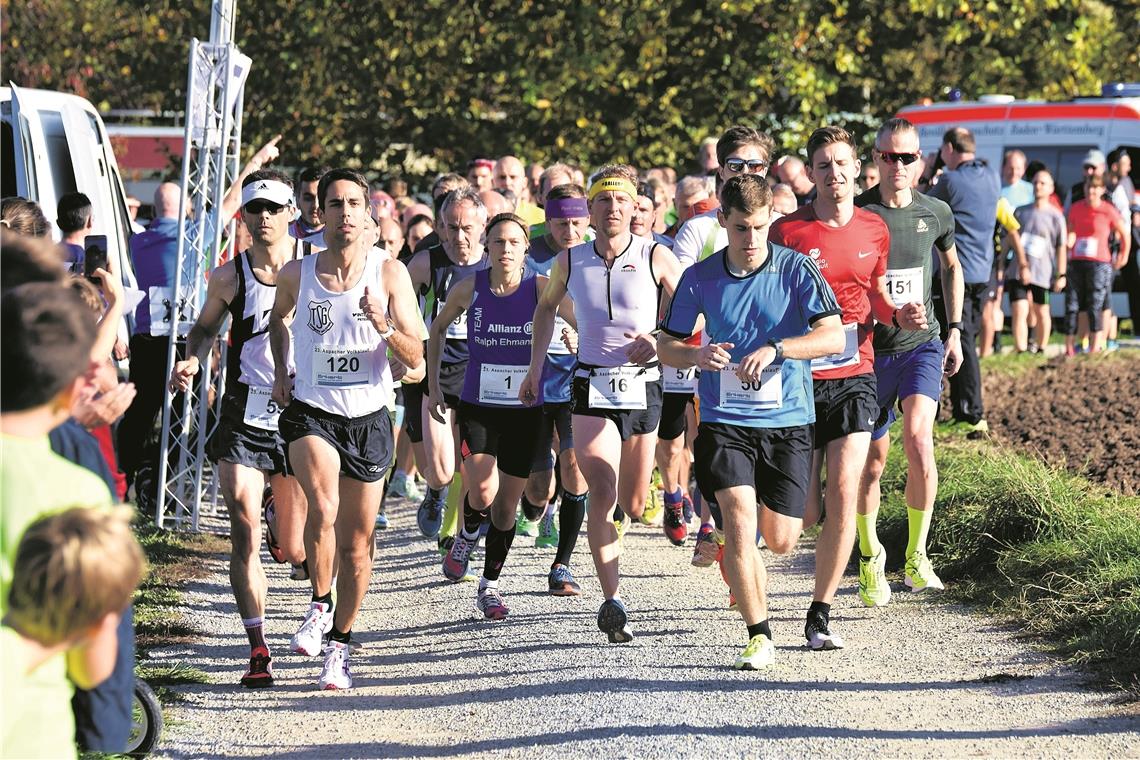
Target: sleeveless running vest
point(249, 360)
point(610, 301)
point(444, 274)
point(342, 363)
point(498, 339)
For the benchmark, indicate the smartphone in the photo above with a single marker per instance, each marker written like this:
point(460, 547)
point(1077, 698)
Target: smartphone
point(94, 255)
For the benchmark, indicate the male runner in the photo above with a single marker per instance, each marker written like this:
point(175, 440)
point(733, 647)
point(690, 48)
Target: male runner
point(355, 305)
point(433, 273)
point(615, 284)
point(567, 222)
point(766, 308)
point(247, 447)
point(308, 225)
point(909, 365)
point(850, 247)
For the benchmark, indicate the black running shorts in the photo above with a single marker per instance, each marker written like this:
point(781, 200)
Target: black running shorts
point(363, 443)
point(629, 421)
point(774, 461)
point(509, 434)
point(844, 406)
point(235, 441)
point(674, 408)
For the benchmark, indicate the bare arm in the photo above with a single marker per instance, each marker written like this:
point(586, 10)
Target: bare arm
point(1125, 243)
point(406, 342)
point(231, 202)
point(543, 326)
point(92, 661)
point(220, 292)
point(910, 316)
point(953, 293)
point(458, 301)
point(108, 333)
point(288, 288)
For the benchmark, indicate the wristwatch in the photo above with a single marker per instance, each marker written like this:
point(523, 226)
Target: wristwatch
point(954, 326)
point(388, 333)
point(779, 346)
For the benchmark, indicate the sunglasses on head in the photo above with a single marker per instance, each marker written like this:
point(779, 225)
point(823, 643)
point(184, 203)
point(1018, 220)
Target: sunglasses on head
point(256, 207)
point(737, 165)
point(906, 158)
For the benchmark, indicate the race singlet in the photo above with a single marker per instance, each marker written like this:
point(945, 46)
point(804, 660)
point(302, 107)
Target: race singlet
point(341, 367)
point(765, 393)
point(499, 383)
point(261, 411)
point(618, 387)
point(905, 285)
point(845, 358)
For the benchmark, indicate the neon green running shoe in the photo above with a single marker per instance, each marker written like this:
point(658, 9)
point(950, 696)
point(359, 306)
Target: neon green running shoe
point(525, 527)
point(547, 533)
point(760, 653)
point(874, 589)
point(622, 525)
point(920, 575)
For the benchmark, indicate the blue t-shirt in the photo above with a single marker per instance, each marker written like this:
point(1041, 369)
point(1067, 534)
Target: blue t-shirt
point(74, 260)
point(972, 191)
point(1018, 194)
point(781, 299)
point(154, 254)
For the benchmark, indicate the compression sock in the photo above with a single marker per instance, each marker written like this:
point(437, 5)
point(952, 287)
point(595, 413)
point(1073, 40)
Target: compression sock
point(570, 517)
point(254, 631)
point(498, 545)
point(451, 493)
point(760, 628)
point(532, 512)
point(869, 544)
point(918, 523)
point(471, 519)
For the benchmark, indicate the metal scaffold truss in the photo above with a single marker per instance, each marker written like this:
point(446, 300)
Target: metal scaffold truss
point(214, 98)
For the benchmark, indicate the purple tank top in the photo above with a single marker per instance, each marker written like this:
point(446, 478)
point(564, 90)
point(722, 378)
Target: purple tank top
point(498, 339)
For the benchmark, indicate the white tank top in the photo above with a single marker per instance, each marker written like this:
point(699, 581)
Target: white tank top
point(611, 301)
point(250, 359)
point(342, 363)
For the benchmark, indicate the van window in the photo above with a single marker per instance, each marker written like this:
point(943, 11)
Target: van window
point(7, 161)
point(1063, 162)
point(59, 154)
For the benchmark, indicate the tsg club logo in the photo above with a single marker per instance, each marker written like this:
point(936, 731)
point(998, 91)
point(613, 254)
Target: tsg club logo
point(319, 320)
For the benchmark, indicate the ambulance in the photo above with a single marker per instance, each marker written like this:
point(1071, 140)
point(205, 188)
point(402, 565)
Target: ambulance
point(1057, 134)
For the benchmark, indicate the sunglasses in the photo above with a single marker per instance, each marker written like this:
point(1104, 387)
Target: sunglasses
point(737, 165)
point(906, 158)
point(256, 207)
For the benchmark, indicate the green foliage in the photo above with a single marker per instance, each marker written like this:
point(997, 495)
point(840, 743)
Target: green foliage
point(1048, 549)
point(638, 80)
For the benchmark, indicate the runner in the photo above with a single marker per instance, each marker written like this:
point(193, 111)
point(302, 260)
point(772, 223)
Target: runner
point(308, 225)
point(909, 365)
point(567, 222)
point(615, 284)
point(246, 446)
point(355, 304)
point(497, 433)
point(764, 306)
point(434, 272)
point(850, 246)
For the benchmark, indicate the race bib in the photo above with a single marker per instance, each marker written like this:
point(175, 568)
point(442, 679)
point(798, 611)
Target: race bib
point(765, 393)
point(905, 285)
point(617, 388)
point(556, 345)
point(338, 367)
point(680, 380)
point(457, 330)
point(261, 411)
point(162, 307)
point(1085, 248)
point(499, 383)
point(1036, 246)
point(845, 358)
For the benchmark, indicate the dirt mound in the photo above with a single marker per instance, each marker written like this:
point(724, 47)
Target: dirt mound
point(1082, 414)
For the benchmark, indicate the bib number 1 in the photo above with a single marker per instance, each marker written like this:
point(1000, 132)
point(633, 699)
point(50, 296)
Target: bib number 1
point(499, 384)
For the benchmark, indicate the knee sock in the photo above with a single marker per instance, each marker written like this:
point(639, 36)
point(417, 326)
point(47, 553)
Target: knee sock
point(254, 631)
point(498, 545)
point(918, 523)
point(451, 494)
point(570, 517)
point(869, 544)
point(760, 628)
point(471, 519)
point(530, 511)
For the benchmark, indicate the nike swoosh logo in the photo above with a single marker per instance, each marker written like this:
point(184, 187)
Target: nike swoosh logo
point(865, 255)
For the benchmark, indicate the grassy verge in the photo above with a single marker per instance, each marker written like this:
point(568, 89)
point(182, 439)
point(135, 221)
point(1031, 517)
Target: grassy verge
point(175, 560)
point(1047, 549)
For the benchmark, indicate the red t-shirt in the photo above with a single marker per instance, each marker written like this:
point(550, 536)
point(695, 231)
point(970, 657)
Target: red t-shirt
point(1092, 226)
point(851, 259)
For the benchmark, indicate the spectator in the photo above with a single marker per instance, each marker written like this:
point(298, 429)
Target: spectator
point(1121, 167)
point(73, 576)
point(24, 217)
point(1014, 187)
point(75, 220)
point(1121, 192)
point(27, 259)
point(971, 188)
point(1030, 278)
point(1092, 166)
point(1091, 223)
point(133, 206)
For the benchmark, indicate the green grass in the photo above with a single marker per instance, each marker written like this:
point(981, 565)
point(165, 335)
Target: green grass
point(1049, 550)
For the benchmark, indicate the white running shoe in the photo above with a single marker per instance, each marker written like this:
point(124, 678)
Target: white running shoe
point(335, 674)
point(318, 622)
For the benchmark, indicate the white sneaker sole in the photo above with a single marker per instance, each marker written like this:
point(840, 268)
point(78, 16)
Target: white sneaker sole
point(825, 644)
point(916, 589)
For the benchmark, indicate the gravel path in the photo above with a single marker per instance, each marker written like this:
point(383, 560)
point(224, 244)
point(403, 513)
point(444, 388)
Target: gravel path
point(920, 678)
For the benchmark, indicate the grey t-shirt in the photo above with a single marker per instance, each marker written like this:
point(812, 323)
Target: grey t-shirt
point(1042, 230)
point(915, 230)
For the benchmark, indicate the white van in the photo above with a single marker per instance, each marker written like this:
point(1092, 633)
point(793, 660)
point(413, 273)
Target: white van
point(1057, 134)
point(51, 144)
